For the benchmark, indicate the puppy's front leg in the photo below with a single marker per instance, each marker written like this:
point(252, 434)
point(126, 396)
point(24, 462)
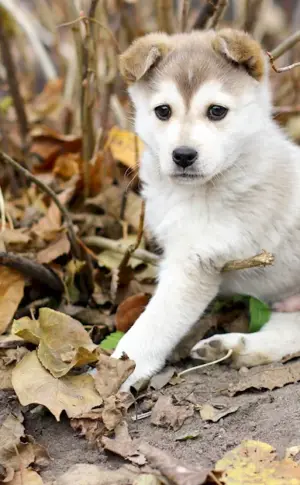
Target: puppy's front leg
point(185, 289)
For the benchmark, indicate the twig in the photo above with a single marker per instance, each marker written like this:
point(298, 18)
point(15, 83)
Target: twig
point(42, 302)
point(183, 12)
point(252, 14)
point(165, 17)
point(286, 45)
point(260, 260)
point(286, 110)
point(131, 249)
point(45, 188)
point(11, 76)
point(121, 248)
point(207, 364)
point(205, 14)
point(282, 69)
point(32, 269)
point(219, 13)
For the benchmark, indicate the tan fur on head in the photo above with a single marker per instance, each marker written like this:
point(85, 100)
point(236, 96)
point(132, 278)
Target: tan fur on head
point(241, 48)
point(142, 55)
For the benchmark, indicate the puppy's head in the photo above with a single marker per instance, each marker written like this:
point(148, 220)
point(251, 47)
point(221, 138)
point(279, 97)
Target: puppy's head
point(200, 99)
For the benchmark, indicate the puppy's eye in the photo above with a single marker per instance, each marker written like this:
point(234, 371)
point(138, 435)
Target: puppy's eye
point(163, 112)
point(216, 112)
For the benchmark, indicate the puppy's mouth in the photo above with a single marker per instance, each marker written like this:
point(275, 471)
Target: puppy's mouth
point(187, 177)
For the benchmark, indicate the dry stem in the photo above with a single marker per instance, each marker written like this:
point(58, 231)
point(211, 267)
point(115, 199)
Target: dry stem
point(183, 12)
point(165, 18)
point(219, 13)
point(11, 76)
point(205, 14)
point(260, 260)
point(45, 188)
point(252, 14)
point(286, 45)
point(282, 69)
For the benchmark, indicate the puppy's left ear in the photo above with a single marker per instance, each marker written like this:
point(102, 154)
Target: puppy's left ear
point(240, 48)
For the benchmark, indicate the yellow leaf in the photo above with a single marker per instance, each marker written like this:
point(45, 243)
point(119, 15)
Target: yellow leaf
point(62, 341)
point(33, 384)
point(125, 146)
point(11, 293)
point(256, 463)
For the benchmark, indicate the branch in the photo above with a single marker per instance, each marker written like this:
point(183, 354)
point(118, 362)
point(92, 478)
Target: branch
point(286, 45)
point(282, 69)
point(32, 269)
point(11, 76)
point(165, 17)
point(71, 232)
point(205, 14)
point(260, 260)
point(183, 12)
point(252, 14)
point(219, 13)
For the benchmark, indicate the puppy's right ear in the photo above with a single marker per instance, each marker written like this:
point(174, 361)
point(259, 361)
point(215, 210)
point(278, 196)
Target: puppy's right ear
point(142, 55)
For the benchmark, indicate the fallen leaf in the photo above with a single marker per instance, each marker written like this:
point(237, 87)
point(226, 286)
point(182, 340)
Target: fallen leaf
point(113, 412)
point(111, 341)
point(90, 425)
point(123, 445)
point(270, 378)
point(175, 471)
point(62, 341)
point(33, 384)
point(187, 436)
point(67, 166)
point(26, 477)
point(160, 380)
point(125, 146)
point(85, 474)
point(129, 311)
point(111, 373)
point(165, 414)
point(8, 359)
point(11, 431)
point(14, 237)
point(61, 245)
point(11, 293)
point(254, 462)
point(210, 413)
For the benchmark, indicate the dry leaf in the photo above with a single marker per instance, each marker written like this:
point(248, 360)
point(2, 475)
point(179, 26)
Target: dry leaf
point(33, 384)
point(67, 165)
point(11, 431)
point(129, 311)
point(123, 445)
point(160, 380)
point(84, 474)
point(26, 477)
point(270, 378)
point(14, 236)
point(8, 359)
point(90, 425)
point(11, 293)
point(172, 469)
point(57, 248)
point(125, 146)
point(165, 414)
point(210, 413)
point(63, 341)
point(254, 462)
point(111, 373)
point(147, 480)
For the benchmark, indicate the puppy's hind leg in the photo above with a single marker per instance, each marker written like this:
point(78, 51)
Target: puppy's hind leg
point(277, 339)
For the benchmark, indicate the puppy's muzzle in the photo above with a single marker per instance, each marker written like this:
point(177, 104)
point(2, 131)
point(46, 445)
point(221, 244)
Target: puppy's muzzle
point(184, 156)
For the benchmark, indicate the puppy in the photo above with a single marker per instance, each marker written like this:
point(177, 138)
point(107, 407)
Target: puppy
point(221, 181)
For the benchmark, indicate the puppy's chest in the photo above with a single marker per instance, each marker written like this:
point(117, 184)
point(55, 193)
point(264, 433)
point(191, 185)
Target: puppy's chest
point(190, 222)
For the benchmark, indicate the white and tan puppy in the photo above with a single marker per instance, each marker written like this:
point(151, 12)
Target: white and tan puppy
point(221, 181)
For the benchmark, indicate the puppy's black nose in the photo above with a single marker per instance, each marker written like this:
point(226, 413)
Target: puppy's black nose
point(184, 156)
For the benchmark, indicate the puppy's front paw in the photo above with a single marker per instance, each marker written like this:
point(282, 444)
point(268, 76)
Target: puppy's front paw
point(147, 363)
point(216, 347)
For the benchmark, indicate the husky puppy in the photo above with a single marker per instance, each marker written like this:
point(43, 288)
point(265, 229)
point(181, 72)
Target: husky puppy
point(221, 181)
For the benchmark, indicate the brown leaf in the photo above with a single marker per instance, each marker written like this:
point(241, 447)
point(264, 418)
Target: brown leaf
point(63, 341)
point(129, 311)
point(48, 227)
point(160, 380)
point(111, 373)
point(90, 425)
point(210, 413)
point(26, 477)
point(61, 245)
point(270, 378)
point(8, 359)
point(14, 236)
point(113, 412)
point(175, 471)
point(123, 445)
point(11, 293)
point(11, 431)
point(165, 414)
point(33, 384)
point(67, 166)
point(84, 474)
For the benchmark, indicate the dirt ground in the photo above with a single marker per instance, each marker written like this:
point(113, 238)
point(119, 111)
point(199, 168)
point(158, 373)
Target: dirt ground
point(270, 416)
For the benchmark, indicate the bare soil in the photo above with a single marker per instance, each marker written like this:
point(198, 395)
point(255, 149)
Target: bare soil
point(272, 416)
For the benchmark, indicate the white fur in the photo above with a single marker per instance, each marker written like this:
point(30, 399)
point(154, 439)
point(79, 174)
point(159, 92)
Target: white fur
point(247, 198)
